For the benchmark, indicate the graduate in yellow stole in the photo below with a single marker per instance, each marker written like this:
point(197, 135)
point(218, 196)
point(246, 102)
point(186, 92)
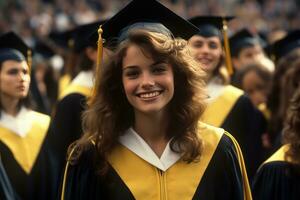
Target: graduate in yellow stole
point(143, 138)
point(279, 176)
point(22, 130)
point(228, 107)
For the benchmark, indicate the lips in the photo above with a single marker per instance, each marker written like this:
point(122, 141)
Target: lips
point(149, 95)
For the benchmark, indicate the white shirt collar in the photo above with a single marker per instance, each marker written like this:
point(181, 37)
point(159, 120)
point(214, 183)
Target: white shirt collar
point(137, 145)
point(84, 78)
point(20, 124)
point(214, 90)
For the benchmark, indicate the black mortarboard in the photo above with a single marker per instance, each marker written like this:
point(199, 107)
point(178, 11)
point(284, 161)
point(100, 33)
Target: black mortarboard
point(242, 39)
point(78, 38)
point(43, 49)
point(146, 11)
point(284, 46)
point(210, 25)
point(14, 48)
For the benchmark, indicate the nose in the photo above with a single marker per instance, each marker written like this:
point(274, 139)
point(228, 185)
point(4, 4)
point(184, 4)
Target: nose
point(147, 81)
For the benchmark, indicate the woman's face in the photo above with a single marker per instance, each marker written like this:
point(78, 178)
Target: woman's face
point(148, 83)
point(207, 50)
point(14, 79)
point(255, 87)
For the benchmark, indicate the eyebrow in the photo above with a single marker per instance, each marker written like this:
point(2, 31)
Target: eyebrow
point(134, 66)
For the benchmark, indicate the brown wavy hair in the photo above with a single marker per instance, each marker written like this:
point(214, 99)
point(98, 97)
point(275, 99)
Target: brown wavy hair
point(110, 114)
point(292, 129)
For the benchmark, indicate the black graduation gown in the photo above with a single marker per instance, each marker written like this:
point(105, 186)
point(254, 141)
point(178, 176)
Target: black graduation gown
point(29, 165)
point(234, 112)
point(6, 190)
point(277, 179)
point(220, 174)
point(65, 126)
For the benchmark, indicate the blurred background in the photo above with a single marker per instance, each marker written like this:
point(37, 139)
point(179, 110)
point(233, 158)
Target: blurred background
point(36, 18)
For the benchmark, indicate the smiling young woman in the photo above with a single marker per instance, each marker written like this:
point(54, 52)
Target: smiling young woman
point(143, 136)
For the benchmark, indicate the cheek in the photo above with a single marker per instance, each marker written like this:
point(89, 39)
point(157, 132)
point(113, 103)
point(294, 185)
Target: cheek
point(129, 86)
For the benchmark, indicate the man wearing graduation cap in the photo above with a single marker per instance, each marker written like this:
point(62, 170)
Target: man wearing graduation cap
point(24, 153)
point(245, 49)
point(228, 107)
point(114, 160)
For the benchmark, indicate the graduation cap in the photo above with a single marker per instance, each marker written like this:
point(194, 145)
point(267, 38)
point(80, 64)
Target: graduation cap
point(12, 47)
point(284, 46)
point(210, 26)
point(43, 49)
point(78, 38)
point(155, 12)
point(242, 39)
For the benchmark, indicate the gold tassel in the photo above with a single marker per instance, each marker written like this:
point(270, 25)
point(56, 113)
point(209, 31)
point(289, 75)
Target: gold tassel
point(29, 59)
point(98, 66)
point(227, 48)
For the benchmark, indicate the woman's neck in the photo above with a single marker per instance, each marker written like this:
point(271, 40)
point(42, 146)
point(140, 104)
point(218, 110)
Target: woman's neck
point(153, 130)
point(9, 105)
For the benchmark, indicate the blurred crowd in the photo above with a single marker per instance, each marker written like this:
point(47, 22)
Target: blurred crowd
point(37, 18)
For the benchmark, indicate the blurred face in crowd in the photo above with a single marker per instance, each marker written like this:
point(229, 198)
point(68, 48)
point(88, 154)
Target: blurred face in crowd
point(255, 87)
point(247, 56)
point(148, 84)
point(207, 50)
point(14, 79)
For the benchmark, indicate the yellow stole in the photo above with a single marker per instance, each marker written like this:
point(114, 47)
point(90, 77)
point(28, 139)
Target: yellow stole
point(180, 181)
point(73, 88)
point(63, 83)
point(25, 150)
point(217, 111)
point(279, 155)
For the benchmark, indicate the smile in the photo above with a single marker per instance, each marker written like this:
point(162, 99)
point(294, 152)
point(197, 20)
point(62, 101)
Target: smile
point(149, 94)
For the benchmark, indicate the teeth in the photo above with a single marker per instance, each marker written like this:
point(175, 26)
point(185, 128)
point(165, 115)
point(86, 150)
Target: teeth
point(149, 95)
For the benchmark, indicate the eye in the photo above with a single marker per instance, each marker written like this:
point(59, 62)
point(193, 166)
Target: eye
point(131, 73)
point(213, 45)
point(197, 44)
point(13, 71)
point(159, 68)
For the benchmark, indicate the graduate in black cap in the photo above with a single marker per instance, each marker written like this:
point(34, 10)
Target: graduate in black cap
point(279, 176)
point(66, 122)
point(228, 107)
point(143, 138)
point(25, 158)
point(247, 48)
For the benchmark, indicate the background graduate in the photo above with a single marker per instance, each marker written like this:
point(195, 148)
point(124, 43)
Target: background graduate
point(285, 52)
point(143, 138)
point(25, 158)
point(65, 125)
point(279, 176)
point(228, 106)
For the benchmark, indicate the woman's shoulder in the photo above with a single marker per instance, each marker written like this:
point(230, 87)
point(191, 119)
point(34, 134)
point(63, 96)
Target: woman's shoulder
point(212, 135)
point(277, 178)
